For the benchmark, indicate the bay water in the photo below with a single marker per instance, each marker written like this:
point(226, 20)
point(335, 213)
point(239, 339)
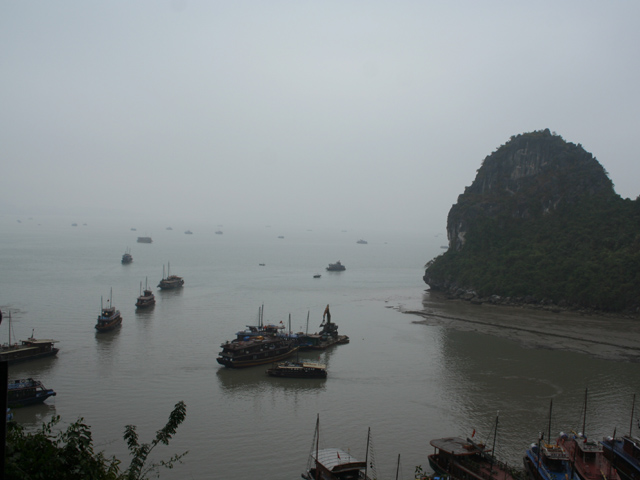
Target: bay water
point(407, 382)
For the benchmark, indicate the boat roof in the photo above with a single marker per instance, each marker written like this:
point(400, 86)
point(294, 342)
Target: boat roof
point(337, 460)
point(459, 446)
point(40, 341)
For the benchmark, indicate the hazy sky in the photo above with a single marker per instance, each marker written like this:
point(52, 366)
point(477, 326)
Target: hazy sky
point(358, 114)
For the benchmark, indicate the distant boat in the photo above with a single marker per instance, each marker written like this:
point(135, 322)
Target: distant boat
point(133, 229)
point(22, 393)
point(109, 318)
point(188, 232)
point(280, 236)
point(29, 349)
point(261, 264)
point(169, 228)
point(317, 275)
point(218, 232)
point(170, 281)
point(144, 240)
point(127, 258)
point(336, 267)
point(323, 339)
point(146, 299)
point(362, 242)
point(74, 224)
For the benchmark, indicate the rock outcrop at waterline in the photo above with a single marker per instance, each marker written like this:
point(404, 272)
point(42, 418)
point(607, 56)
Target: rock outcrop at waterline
point(542, 224)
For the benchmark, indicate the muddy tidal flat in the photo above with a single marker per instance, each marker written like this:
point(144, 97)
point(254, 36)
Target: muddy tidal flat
point(606, 337)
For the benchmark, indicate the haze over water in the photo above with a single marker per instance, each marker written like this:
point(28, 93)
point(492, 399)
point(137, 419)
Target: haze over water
point(409, 382)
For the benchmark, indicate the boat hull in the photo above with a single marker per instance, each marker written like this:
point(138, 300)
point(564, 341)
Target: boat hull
point(294, 370)
point(16, 356)
point(253, 362)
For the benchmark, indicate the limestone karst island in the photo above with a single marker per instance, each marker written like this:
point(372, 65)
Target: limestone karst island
point(541, 224)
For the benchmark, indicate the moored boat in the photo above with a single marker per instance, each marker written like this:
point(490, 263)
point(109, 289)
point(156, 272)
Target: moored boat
point(587, 456)
point(298, 370)
point(147, 298)
point(126, 257)
point(21, 393)
point(29, 349)
point(544, 461)
point(336, 464)
point(170, 281)
point(468, 460)
point(109, 318)
point(624, 452)
point(257, 345)
point(327, 337)
point(336, 267)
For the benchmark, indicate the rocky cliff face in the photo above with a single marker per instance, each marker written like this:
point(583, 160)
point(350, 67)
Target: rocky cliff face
point(530, 175)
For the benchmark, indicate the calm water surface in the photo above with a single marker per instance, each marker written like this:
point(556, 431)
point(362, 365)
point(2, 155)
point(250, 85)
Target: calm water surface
point(408, 382)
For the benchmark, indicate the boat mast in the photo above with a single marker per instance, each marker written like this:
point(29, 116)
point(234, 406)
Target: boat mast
point(366, 455)
point(307, 332)
point(493, 448)
point(398, 467)
point(633, 404)
point(317, 446)
point(584, 415)
point(9, 328)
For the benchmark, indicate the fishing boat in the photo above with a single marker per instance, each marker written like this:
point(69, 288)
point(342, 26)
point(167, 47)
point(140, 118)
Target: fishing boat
point(469, 460)
point(258, 345)
point(147, 298)
point(326, 338)
point(298, 370)
point(336, 464)
point(336, 267)
point(624, 452)
point(170, 281)
point(317, 275)
point(126, 257)
point(145, 240)
point(29, 349)
point(188, 232)
point(21, 393)
point(545, 461)
point(587, 456)
point(109, 318)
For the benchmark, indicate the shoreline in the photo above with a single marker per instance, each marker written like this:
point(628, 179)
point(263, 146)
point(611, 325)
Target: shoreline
point(611, 337)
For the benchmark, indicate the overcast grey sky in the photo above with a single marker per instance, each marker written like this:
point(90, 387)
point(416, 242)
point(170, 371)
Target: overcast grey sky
point(358, 114)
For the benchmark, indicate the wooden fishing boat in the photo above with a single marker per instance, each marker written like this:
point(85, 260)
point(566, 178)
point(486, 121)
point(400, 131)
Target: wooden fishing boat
point(170, 281)
point(587, 456)
point(336, 464)
point(21, 393)
point(29, 349)
point(146, 299)
point(109, 318)
point(469, 460)
point(545, 461)
point(624, 452)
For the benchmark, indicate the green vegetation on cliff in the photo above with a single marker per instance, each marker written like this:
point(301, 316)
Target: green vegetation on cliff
point(542, 221)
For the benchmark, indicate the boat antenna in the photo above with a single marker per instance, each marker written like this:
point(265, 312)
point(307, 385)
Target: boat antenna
point(633, 405)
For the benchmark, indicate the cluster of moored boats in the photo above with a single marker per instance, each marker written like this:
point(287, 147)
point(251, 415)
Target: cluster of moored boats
point(110, 318)
point(263, 344)
point(570, 457)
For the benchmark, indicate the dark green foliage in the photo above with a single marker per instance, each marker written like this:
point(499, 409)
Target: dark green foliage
point(561, 234)
point(69, 454)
